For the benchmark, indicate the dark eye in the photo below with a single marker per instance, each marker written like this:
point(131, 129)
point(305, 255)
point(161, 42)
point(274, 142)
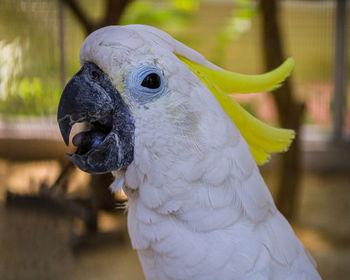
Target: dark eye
point(151, 81)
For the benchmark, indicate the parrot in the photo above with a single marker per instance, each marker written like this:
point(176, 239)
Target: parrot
point(160, 118)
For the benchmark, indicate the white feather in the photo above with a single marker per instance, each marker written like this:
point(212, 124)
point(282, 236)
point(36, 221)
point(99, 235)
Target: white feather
point(118, 182)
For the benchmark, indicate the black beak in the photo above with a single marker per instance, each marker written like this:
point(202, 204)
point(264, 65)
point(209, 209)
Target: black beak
point(90, 97)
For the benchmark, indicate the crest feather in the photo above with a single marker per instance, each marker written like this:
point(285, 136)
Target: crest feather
point(262, 139)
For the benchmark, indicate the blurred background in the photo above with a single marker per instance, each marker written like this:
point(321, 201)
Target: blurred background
point(57, 222)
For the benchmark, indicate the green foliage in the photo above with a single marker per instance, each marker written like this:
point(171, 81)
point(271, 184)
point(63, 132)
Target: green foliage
point(33, 87)
point(172, 13)
point(239, 23)
point(29, 97)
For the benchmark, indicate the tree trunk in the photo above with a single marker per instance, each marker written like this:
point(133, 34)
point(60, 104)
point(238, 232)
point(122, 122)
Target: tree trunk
point(112, 14)
point(101, 198)
point(290, 111)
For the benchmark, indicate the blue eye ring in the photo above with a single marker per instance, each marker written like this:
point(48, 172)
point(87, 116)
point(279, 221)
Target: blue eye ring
point(145, 84)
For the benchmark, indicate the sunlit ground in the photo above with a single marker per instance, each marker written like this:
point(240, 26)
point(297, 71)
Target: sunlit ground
point(37, 244)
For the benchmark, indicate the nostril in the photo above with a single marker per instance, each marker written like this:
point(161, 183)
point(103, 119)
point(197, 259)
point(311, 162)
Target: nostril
point(95, 75)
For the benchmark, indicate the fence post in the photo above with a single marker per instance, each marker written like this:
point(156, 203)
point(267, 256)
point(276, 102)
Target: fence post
point(339, 101)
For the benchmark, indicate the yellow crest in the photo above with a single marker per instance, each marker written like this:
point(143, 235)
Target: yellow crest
point(261, 138)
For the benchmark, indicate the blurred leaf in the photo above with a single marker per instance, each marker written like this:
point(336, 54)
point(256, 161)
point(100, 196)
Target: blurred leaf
point(186, 6)
point(170, 13)
point(239, 23)
point(29, 97)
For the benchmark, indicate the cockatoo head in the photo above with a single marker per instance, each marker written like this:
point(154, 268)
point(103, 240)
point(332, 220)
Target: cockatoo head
point(140, 87)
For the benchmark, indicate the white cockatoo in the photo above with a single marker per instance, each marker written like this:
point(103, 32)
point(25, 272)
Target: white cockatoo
point(186, 155)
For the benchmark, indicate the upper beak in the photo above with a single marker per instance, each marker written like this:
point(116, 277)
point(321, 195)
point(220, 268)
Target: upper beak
point(90, 97)
point(83, 100)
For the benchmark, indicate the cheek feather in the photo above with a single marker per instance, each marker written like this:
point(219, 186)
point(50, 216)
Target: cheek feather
point(184, 118)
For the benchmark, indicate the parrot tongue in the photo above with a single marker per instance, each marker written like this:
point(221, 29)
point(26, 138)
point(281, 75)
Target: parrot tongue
point(86, 140)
